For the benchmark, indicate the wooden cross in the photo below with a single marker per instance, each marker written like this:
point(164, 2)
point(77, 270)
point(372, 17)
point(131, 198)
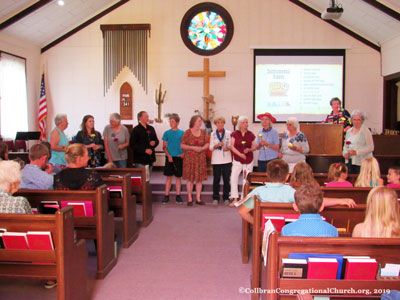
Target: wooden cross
point(206, 74)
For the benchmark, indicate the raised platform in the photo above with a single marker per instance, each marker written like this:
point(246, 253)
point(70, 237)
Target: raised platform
point(157, 182)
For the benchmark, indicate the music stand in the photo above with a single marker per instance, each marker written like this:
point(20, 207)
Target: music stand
point(27, 135)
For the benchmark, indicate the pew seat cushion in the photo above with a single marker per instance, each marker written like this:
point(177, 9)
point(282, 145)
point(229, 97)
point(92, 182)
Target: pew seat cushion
point(271, 192)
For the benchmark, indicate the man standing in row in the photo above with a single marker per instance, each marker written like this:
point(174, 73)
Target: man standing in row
point(143, 141)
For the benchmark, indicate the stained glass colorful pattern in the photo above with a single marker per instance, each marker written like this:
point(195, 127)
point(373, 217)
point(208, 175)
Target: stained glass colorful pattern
point(207, 30)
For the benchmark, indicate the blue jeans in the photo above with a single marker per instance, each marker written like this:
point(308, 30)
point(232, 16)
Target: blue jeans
point(120, 163)
point(262, 165)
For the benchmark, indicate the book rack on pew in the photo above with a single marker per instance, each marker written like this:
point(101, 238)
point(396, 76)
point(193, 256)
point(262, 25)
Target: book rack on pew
point(384, 250)
point(99, 227)
point(124, 206)
point(142, 191)
point(66, 263)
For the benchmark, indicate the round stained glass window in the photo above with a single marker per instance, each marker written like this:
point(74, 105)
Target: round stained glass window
point(207, 28)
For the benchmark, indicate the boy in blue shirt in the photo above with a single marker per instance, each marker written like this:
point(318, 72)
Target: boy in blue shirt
point(274, 191)
point(309, 202)
point(173, 158)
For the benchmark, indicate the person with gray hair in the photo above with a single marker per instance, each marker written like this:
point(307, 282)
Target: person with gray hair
point(116, 141)
point(58, 140)
point(294, 144)
point(358, 143)
point(243, 144)
point(10, 178)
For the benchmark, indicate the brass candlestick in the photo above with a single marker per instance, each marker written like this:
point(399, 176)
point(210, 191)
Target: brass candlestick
point(234, 122)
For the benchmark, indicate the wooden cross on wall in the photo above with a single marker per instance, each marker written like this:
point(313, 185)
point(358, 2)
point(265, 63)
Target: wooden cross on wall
point(206, 74)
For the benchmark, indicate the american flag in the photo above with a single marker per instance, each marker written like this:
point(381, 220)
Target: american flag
point(42, 110)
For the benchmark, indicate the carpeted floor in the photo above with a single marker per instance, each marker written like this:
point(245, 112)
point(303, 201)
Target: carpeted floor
point(185, 253)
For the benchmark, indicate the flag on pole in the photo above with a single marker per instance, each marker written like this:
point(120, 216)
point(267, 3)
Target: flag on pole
point(42, 110)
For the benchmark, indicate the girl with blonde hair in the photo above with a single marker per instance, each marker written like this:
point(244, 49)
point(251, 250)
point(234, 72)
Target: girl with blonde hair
point(337, 176)
point(370, 174)
point(382, 216)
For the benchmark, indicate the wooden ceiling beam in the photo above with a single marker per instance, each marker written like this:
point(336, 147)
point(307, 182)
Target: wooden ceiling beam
point(22, 14)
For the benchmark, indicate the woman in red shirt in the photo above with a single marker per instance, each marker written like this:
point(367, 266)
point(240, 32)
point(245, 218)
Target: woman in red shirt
point(243, 144)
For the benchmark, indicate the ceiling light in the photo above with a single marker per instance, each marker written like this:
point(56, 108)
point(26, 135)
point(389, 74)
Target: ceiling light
point(60, 2)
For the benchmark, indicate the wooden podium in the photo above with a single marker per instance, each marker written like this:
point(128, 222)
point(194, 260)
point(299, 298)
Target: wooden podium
point(324, 139)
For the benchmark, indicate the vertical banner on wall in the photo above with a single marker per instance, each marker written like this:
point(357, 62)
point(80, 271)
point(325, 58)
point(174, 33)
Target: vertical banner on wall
point(125, 102)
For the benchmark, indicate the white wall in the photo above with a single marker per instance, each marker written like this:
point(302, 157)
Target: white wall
point(32, 55)
point(391, 57)
point(75, 66)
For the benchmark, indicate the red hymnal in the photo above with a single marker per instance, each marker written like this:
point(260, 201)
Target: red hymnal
point(361, 269)
point(322, 268)
point(115, 191)
point(15, 240)
point(136, 180)
point(40, 240)
point(81, 208)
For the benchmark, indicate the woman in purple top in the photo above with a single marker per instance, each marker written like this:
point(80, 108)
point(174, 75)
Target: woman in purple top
point(243, 143)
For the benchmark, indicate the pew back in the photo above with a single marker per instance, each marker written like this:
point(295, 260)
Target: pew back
point(124, 207)
point(142, 191)
point(66, 263)
point(384, 250)
point(342, 215)
point(100, 227)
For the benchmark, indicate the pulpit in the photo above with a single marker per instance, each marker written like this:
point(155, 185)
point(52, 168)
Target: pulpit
point(325, 139)
point(326, 143)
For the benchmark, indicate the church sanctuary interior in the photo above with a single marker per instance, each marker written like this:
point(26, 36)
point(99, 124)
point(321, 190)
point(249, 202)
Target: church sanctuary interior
point(225, 58)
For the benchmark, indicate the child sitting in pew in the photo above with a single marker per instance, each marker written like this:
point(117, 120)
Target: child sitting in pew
point(302, 174)
point(393, 177)
point(277, 191)
point(382, 215)
point(309, 202)
point(337, 176)
point(370, 174)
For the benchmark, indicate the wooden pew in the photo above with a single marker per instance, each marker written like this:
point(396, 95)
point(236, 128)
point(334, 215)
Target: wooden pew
point(358, 215)
point(384, 250)
point(259, 178)
point(142, 192)
point(67, 263)
point(100, 227)
point(124, 207)
point(330, 213)
point(358, 194)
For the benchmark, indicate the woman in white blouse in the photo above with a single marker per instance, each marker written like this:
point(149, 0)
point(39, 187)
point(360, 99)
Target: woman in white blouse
point(221, 159)
point(358, 143)
point(294, 144)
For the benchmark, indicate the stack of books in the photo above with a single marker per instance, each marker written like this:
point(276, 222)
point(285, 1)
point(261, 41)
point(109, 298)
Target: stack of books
point(329, 266)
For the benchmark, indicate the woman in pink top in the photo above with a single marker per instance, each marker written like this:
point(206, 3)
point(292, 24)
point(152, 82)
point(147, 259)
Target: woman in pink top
point(393, 177)
point(337, 176)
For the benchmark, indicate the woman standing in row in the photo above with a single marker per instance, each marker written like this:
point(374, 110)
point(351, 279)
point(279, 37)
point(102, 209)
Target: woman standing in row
point(91, 139)
point(243, 143)
point(59, 141)
point(116, 141)
point(194, 144)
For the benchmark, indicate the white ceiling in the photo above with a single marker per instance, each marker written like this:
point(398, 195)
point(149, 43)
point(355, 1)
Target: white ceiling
point(364, 19)
point(52, 21)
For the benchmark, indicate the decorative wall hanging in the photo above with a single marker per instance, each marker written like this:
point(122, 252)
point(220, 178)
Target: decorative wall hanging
point(207, 28)
point(125, 102)
point(125, 45)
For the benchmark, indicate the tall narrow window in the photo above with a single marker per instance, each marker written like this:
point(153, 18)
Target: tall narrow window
point(13, 95)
